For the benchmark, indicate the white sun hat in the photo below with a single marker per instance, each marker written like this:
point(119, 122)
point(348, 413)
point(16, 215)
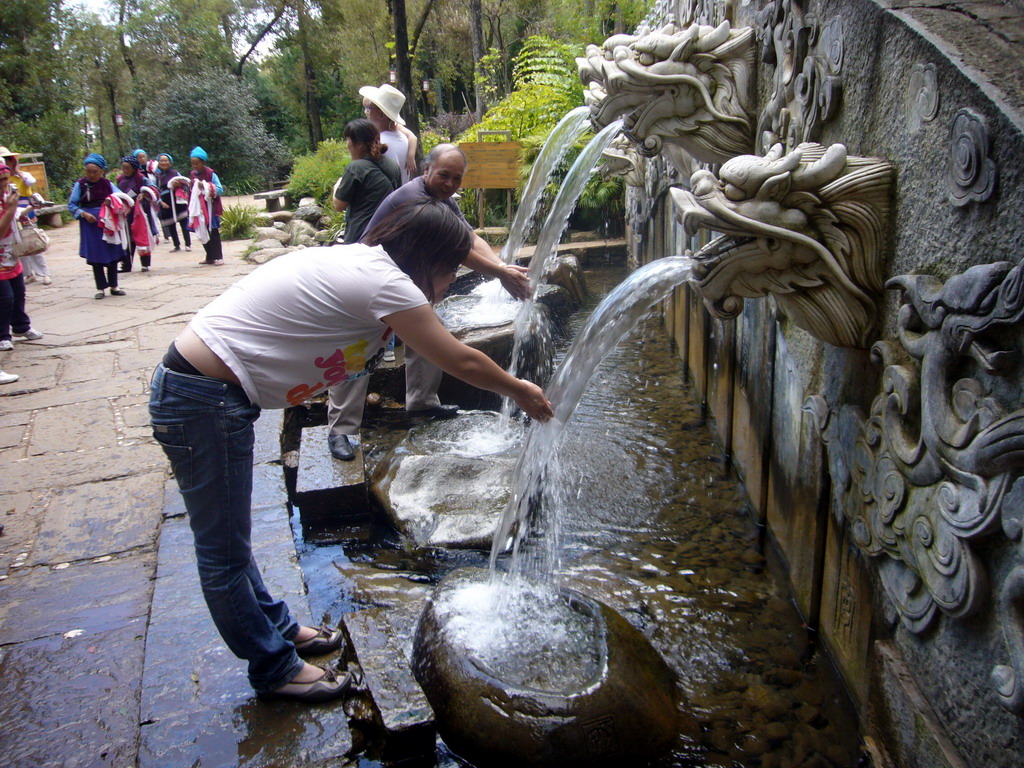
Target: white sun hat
point(388, 98)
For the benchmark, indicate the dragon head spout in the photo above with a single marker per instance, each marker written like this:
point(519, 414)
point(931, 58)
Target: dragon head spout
point(806, 227)
point(689, 87)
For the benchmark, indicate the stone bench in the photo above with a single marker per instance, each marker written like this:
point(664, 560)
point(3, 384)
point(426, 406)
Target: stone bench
point(274, 198)
point(50, 215)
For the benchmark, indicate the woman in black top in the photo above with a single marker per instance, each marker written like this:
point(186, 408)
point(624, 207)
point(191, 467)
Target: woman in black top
point(368, 179)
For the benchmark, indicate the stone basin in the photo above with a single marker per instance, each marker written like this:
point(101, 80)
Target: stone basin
point(553, 679)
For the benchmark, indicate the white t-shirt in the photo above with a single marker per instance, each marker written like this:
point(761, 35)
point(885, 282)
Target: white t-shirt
point(307, 320)
point(398, 148)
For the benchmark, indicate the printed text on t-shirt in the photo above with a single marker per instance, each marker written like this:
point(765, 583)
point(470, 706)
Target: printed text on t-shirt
point(339, 367)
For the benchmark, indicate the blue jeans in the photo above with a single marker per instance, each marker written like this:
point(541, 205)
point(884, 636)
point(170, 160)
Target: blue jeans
point(205, 427)
point(12, 307)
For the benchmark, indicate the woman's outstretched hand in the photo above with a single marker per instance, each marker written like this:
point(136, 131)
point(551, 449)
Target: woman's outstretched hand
point(516, 280)
point(531, 399)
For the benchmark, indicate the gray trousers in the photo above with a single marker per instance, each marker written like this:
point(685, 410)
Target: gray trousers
point(345, 401)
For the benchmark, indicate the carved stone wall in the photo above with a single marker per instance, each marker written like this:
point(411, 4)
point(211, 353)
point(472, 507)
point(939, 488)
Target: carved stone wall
point(922, 439)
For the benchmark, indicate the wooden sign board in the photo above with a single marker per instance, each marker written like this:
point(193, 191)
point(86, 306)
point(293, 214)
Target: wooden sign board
point(39, 171)
point(492, 164)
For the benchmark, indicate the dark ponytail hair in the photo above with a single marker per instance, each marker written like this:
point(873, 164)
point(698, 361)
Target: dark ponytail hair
point(362, 131)
point(424, 238)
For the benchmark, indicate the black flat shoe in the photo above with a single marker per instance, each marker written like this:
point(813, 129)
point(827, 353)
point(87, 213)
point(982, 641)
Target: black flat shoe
point(340, 447)
point(324, 641)
point(117, 292)
point(327, 687)
point(440, 412)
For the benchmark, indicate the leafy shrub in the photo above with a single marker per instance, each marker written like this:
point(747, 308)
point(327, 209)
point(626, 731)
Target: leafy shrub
point(448, 125)
point(237, 221)
point(601, 205)
point(314, 175)
point(546, 85)
point(336, 223)
point(430, 139)
point(218, 112)
point(57, 135)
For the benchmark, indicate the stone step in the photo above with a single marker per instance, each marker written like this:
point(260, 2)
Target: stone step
point(328, 490)
point(382, 641)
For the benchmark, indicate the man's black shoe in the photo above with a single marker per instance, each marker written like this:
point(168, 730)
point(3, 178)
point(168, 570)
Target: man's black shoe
point(340, 447)
point(440, 412)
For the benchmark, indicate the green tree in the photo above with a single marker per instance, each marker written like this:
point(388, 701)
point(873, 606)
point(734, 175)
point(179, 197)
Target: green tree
point(37, 101)
point(218, 111)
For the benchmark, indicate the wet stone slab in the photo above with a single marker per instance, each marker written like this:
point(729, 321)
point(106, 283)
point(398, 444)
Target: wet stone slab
point(91, 597)
point(327, 489)
point(72, 700)
point(69, 469)
point(98, 519)
point(197, 705)
point(72, 427)
point(382, 639)
point(268, 437)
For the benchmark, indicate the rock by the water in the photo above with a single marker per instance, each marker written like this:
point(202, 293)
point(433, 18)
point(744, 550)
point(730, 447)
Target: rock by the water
point(565, 272)
point(268, 233)
point(282, 216)
point(309, 213)
point(262, 245)
point(263, 255)
point(437, 493)
point(297, 229)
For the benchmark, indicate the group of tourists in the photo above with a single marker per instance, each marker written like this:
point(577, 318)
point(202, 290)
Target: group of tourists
point(120, 219)
point(311, 320)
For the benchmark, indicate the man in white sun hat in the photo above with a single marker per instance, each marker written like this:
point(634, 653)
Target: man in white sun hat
point(383, 108)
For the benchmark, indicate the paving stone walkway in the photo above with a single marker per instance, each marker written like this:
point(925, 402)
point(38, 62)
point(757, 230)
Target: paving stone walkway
point(104, 643)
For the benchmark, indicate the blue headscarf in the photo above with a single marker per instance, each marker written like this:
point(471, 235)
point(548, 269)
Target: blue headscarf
point(200, 153)
point(138, 152)
point(132, 160)
point(96, 159)
point(168, 155)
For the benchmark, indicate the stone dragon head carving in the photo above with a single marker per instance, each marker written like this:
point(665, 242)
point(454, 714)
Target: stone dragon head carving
point(806, 227)
point(688, 87)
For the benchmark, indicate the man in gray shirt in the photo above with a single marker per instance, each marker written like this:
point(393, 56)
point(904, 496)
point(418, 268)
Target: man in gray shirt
point(444, 168)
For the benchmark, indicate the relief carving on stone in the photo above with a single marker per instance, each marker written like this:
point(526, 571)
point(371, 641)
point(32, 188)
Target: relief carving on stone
point(806, 227)
point(687, 87)
point(971, 173)
point(931, 468)
point(712, 12)
point(923, 95)
point(807, 57)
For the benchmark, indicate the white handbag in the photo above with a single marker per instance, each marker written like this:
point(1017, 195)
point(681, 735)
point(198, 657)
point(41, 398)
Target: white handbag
point(29, 241)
